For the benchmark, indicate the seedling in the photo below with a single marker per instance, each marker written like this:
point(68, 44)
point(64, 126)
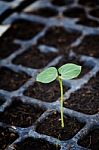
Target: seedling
point(65, 72)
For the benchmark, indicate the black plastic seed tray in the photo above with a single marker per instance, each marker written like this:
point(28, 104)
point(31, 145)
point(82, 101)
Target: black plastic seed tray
point(49, 33)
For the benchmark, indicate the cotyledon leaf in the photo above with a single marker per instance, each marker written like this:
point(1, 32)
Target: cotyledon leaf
point(69, 71)
point(48, 75)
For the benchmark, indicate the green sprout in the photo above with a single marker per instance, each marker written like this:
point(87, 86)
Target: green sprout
point(65, 72)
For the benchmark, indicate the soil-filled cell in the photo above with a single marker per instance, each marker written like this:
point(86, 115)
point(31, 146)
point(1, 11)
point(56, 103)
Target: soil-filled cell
point(45, 92)
point(7, 46)
point(89, 3)
point(88, 22)
point(58, 37)
point(35, 144)
point(86, 99)
point(89, 46)
point(51, 126)
point(34, 58)
point(20, 114)
point(45, 12)
point(61, 2)
point(75, 12)
point(6, 137)
point(23, 29)
point(91, 140)
point(10, 80)
point(75, 60)
point(95, 12)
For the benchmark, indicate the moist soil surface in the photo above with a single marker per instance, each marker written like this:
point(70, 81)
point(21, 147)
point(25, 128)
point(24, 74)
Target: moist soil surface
point(35, 144)
point(51, 126)
point(45, 92)
point(85, 99)
point(20, 114)
point(91, 140)
point(91, 49)
point(59, 38)
point(11, 80)
point(6, 137)
point(36, 59)
point(75, 12)
point(20, 29)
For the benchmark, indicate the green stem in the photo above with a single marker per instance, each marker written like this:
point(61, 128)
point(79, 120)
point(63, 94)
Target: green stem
point(61, 101)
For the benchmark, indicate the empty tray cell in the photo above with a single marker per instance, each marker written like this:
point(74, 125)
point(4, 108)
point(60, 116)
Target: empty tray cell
point(88, 22)
point(75, 60)
point(20, 114)
point(59, 37)
point(23, 29)
point(6, 137)
point(34, 58)
point(85, 99)
point(45, 92)
point(89, 46)
point(89, 3)
point(95, 12)
point(10, 80)
point(75, 12)
point(91, 141)
point(61, 2)
point(35, 144)
point(45, 12)
point(51, 126)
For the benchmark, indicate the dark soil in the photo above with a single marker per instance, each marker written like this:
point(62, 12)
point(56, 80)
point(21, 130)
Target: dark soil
point(85, 100)
point(61, 2)
point(75, 12)
point(52, 126)
point(91, 141)
point(75, 60)
point(10, 80)
point(20, 114)
point(88, 22)
point(95, 12)
point(60, 38)
point(45, 92)
point(23, 29)
point(90, 3)
point(7, 137)
point(34, 58)
point(45, 12)
point(35, 144)
point(7, 46)
point(20, 29)
point(89, 46)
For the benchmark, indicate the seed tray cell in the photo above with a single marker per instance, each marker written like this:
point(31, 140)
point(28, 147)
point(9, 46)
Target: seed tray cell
point(58, 37)
point(35, 144)
point(85, 99)
point(6, 137)
point(75, 12)
point(20, 114)
point(88, 46)
point(91, 140)
point(51, 126)
point(13, 81)
point(46, 92)
point(36, 59)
